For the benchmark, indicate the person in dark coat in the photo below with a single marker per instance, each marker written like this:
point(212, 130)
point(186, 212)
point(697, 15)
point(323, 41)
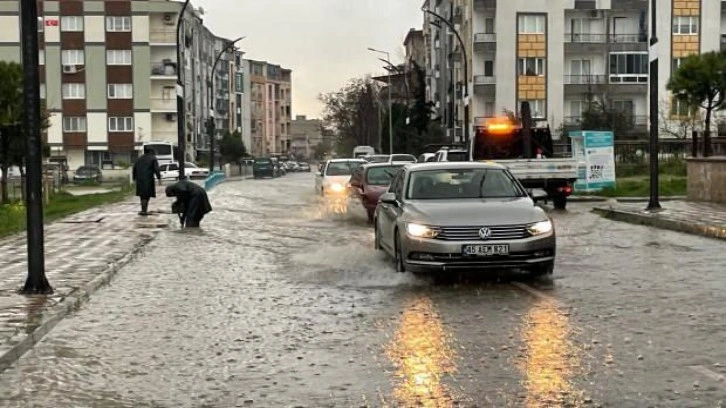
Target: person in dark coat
point(191, 202)
point(145, 168)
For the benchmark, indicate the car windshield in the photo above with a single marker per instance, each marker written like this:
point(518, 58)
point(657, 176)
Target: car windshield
point(456, 156)
point(381, 175)
point(160, 149)
point(342, 168)
point(462, 183)
point(190, 165)
point(403, 157)
point(86, 169)
point(263, 161)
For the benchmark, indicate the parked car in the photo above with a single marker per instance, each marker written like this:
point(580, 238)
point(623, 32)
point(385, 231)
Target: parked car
point(170, 171)
point(263, 167)
point(304, 166)
point(441, 217)
point(370, 181)
point(88, 174)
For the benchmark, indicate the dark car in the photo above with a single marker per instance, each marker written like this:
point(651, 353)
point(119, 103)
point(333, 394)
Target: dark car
point(263, 167)
point(88, 174)
point(372, 180)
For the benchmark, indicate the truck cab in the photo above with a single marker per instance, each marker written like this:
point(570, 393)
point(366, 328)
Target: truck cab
point(506, 142)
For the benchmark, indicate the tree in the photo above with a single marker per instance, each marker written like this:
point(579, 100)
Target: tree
point(232, 148)
point(352, 113)
point(321, 149)
point(678, 124)
point(700, 81)
point(11, 115)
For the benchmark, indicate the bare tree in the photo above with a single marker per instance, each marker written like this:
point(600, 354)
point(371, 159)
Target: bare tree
point(679, 126)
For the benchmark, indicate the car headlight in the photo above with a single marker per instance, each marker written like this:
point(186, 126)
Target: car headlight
point(539, 228)
point(337, 188)
point(421, 231)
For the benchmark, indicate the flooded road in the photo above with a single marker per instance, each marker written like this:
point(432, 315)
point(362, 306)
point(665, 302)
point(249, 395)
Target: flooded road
point(280, 302)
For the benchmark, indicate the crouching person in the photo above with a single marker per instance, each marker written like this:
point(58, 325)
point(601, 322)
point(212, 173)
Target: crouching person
point(191, 202)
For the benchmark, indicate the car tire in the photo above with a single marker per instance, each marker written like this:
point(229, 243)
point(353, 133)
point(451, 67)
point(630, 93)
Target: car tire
point(400, 266)
point(544, 269)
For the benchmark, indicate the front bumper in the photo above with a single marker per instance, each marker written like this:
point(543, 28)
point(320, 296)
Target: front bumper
point(431, 255)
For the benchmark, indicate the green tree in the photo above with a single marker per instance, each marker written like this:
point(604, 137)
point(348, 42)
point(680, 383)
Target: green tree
point(232, 148)
point(701, 81)
point(11, 115)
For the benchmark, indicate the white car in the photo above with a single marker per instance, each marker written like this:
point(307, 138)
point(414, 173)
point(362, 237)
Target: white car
point(334, 176)
point(171, 171)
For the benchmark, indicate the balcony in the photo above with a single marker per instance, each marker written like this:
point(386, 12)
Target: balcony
point(165, 70)
point(163, 37)
point(485, 42)
point(583, 84)
point(634, 123)
point(485, 4)
point(163, 105)
point(596, 43)
point(628, 42)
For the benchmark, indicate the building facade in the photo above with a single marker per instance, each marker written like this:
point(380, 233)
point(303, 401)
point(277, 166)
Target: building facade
point(560, 55)
point(109, 72)
point(271, 108)
point(305, 135)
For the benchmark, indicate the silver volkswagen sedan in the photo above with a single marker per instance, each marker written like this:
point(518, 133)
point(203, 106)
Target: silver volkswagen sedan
point(463, 215)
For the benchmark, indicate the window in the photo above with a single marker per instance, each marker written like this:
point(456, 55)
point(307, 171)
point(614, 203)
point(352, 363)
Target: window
point(531, 24)
point(489, 109)
point(118, 24)
point(531, 66)
point(489, 25)
point(629, 67)
point(74, 91)
point(41, 24)
point(118, 57)
point(625, 107)
point(73, 57)
point(489, 68)
point(74, 124)
point(120, 91)
point(42, 91)
point(537, 106)
point(576, 108)
point(125, 124)
point(676, 64)
point(680, 108)
point(41, 57)
point(686, 25)
point(71, 23)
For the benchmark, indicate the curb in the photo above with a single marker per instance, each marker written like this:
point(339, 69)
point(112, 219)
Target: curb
point(703, 230)
point(68, 305)
point(597, 199)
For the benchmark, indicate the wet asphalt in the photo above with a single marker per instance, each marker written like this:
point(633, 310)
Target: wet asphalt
point(281, 302)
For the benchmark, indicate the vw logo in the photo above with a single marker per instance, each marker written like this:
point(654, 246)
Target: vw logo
point(485, 233)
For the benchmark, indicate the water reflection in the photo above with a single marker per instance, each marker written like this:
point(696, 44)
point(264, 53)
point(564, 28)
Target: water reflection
point(422, 353)
point(551, 361)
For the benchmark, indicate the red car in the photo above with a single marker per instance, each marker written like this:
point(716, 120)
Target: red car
point(370, 181)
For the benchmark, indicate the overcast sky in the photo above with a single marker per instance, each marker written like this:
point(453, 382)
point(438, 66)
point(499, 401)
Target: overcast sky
point(324, 42)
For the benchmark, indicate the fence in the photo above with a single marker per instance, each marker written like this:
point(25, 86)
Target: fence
point(16, 185)
point(637, 151)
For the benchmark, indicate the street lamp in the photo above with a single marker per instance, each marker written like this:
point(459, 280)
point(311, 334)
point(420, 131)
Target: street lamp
point(36, 281)
point(466, 69)
point(210, 121)
point(180, 118)
point(653, 203)
point(390, 105)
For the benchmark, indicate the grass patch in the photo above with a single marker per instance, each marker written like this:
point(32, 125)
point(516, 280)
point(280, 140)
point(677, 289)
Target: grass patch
point(673, 167)
point(640, 187)
point(12, 216)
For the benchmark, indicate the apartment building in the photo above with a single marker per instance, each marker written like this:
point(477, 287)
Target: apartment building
point(108, 75)
point(241, 104)
point(561, 54)
point(271, 108)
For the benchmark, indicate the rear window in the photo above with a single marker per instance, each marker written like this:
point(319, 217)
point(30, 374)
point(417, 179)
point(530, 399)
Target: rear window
point(456, 156)
point(263, 160)
point(344, 168)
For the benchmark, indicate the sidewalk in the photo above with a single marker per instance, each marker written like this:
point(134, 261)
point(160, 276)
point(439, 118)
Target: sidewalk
point(82, 252)
point(708, 220)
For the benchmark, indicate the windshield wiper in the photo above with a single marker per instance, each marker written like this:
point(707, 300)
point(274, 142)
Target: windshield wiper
point(481, 185)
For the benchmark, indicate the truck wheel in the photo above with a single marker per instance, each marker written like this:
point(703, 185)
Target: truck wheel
point(560, 202)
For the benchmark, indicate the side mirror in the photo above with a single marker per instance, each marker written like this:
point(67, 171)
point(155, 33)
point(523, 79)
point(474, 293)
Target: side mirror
point(388, 198)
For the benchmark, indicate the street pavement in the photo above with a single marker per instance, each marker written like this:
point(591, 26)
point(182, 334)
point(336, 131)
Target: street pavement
point(705, 219)
point(280, 302)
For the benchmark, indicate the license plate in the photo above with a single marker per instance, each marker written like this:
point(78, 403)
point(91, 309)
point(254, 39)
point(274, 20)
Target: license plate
point(486, 250)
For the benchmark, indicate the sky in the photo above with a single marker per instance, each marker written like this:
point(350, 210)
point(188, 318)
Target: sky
point(324, 42)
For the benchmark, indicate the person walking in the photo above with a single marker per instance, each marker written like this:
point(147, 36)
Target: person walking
point(145, 168)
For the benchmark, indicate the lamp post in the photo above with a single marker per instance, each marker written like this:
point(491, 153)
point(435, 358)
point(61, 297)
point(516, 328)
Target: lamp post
point(36, 281)
point(390, 104)
point(180, 117)
point(653, 203)
point(210, 122)
point(465, 97)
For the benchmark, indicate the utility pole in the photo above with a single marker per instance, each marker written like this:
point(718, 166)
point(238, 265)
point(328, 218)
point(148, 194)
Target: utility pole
point(654, 203)
point(180, 116)
point(36, 282)
point(211, 125)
